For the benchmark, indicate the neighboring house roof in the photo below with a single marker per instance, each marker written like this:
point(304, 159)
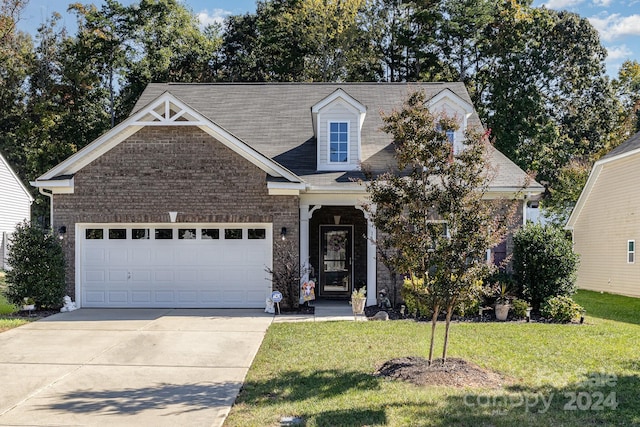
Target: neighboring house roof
point(630, 147)
point(13, 177)
point(272, 123)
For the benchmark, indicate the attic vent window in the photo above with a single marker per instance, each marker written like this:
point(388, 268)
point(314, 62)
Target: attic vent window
point(339, 142)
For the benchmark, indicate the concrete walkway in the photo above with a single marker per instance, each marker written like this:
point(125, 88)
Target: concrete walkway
point(325, 310)
point(137, 367)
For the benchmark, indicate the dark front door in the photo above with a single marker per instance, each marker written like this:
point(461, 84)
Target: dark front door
point(336, 260)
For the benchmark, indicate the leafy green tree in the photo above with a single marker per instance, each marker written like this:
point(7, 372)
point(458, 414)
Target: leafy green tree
point(16, 56)
point(548, 100)
point(433, 221)
point(628, 90)
point(146, 41)
point(464, 43)
point(544, 263)
point(562, 197)
point(240, 59)
point(37, 267)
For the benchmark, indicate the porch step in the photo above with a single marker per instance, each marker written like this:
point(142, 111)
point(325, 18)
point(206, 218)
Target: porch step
point(325, 310)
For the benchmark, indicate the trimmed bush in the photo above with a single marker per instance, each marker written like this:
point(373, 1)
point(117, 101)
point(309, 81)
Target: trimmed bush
point(37, 267)
point(6, 307)
point(519, 308)
point(561, 309)
point(544, 263)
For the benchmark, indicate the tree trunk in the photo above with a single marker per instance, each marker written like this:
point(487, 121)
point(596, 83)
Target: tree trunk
point(434, 320)
point(446, 333)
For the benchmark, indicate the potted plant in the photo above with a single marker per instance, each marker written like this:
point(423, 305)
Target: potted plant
point(502, 305)
point(28, 304)
point(358, 300)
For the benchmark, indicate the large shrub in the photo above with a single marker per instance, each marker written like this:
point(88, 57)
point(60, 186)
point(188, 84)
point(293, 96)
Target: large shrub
point(544, 263)
point(37, 267)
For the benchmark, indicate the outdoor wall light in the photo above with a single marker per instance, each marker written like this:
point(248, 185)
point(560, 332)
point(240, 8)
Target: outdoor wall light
point(62, 231)
point(283, 233)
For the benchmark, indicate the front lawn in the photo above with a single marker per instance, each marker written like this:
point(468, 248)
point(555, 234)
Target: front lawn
point(6, 321)
point(569, 375)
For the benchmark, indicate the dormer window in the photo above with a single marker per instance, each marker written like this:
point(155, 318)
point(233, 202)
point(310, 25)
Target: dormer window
point(338, 142)
point(451, 136)
point(337, 123)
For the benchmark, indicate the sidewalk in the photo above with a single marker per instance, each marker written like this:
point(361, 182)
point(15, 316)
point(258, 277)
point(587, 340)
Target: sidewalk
point(325, 310)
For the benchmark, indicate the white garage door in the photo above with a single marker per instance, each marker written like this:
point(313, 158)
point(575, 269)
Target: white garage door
point(174, 265)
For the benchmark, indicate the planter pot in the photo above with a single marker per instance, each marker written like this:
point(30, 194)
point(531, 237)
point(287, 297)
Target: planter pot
point(357, 305)
point(502, 311)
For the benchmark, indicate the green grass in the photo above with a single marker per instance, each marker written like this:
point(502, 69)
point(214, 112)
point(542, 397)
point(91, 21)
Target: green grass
point(7, 322)
point(322, 372)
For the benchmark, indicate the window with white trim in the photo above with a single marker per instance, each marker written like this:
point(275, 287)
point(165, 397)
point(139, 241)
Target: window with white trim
point(631, 251)
point(338, 142)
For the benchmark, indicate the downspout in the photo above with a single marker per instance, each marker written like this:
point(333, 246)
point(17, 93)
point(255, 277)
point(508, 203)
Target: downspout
point(50, 196)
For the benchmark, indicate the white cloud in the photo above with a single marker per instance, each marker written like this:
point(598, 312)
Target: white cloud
point(215, 16)
point(618, 52)
point(562, 4)
point(602, 3)
point(615, 25)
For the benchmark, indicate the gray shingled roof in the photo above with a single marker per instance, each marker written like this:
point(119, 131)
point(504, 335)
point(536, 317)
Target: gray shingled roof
point(630, 144)
point(275, 119)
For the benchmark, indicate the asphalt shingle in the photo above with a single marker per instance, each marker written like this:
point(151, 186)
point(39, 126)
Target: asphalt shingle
point(275, 119)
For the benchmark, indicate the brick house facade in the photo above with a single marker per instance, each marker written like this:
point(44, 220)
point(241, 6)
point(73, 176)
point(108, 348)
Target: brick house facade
point(240, 166)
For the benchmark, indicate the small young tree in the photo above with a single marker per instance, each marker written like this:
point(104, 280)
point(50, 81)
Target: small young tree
point(432, 219)
point(37, 267)
point(285, 275)
point(544, 263)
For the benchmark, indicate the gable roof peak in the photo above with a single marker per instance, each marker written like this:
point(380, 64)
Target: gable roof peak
point(339, 94)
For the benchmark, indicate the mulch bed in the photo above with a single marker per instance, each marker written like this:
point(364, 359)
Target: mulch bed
point(454, 373)
point(34, 314)
point(488, 316)
point(302, 309)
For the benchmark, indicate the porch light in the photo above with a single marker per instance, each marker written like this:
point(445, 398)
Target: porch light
point(283, 233)
point(62, 231)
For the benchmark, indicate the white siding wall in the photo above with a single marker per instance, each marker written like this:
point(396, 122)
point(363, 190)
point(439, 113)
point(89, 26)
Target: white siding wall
point(609, 218)
point(15, 204)
point(337, 112)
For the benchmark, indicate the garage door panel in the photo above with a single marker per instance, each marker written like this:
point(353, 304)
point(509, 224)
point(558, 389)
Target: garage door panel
point(141, 297)
point(93, 256)
point(175, 272)
point(233, 297)
point(187, 276)
point(163, 255)
point(209, 297)
point(164, 296)
point(118, 256)
point(188, 256)
point(118, 297)
point(143, 276)
point(140, 256)
point(94, 276)
point(256, 297)
point(118, 276)
point(187, 297)
point(167, 276)
point(94, 297)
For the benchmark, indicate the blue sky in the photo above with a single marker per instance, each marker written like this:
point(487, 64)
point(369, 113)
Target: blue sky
point(617, 21)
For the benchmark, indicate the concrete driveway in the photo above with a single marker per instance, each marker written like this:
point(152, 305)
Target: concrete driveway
point(136, 367)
